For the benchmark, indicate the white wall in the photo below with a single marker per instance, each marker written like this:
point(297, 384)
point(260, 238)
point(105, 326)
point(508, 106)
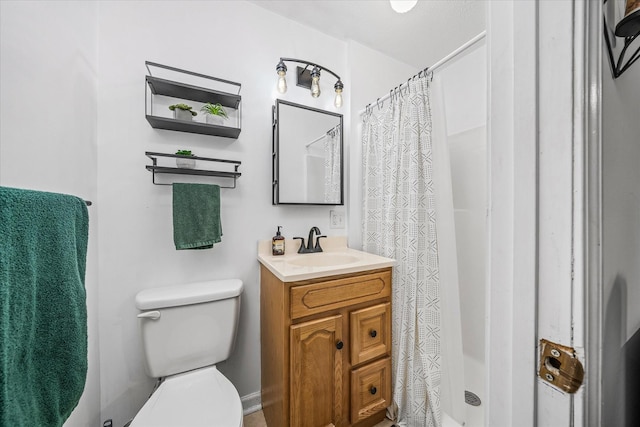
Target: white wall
point(621, 188)
point(621, 234)
point(48, 137)
point(136, 232)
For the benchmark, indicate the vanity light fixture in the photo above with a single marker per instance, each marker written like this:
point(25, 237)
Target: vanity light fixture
point(309, 79)
point(629, 28)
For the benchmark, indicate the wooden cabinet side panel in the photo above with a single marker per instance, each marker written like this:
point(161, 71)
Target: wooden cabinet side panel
point(316, 373)
point(274, 347)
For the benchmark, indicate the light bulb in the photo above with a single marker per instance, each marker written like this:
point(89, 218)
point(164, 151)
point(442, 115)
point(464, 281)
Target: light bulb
point(315, 82)
point(338, 87)
point(338, 100)
point(315, 87)
point(282, 71)
point(282, 82)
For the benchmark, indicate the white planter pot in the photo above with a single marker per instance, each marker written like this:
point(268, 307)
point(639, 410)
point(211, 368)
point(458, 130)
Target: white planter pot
point(186, 163)
point(215, 120)
point(179, 114)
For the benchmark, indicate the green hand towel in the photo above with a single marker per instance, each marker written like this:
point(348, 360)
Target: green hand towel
point(43, 313)
point(196, 216)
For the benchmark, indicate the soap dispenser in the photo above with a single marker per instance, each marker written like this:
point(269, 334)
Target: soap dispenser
point(277, 243)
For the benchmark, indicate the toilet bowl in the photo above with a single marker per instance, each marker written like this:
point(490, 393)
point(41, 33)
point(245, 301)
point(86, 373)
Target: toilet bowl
point(199, 398)
point(186, 330)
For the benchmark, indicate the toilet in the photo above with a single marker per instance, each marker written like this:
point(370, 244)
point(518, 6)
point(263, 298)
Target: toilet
point(187, 329)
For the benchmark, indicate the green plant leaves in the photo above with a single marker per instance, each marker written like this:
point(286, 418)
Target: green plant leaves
point(214, 110)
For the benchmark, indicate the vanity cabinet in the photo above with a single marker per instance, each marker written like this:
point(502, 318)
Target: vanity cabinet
point(326, 347)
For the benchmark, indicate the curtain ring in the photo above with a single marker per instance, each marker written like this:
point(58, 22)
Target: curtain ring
point(378, 103)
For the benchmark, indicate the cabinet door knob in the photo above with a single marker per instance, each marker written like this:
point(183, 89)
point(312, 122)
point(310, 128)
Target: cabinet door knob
point(373, 390)
point(339, 345)
point(373, 333)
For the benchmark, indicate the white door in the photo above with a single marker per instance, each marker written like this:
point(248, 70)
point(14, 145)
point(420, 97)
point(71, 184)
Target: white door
point(538, 213)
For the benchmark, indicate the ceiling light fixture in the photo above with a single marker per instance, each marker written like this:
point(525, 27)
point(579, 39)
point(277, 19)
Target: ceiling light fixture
point(402, 6)
point(309, 79)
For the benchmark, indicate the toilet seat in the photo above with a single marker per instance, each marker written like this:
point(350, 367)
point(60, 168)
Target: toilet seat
point(200, 398)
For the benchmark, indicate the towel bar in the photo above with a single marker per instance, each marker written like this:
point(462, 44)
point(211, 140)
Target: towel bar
point(154, 168)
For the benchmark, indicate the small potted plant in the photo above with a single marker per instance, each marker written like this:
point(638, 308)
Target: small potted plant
point(182, 112)
point(215, 113)
point(186, 162)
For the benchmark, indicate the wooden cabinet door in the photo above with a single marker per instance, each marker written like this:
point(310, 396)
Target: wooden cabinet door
point(316, 373)
point(370, 333)
point(370, 389)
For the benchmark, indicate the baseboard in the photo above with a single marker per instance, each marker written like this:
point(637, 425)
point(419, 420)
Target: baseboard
point(251, 403)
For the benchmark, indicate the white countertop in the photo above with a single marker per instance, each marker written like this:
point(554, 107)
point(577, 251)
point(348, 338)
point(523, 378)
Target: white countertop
point(284, 267)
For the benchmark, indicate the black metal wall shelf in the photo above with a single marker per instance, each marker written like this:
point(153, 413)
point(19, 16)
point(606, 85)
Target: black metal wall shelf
point(174, 89)
point(192, 127)
point(154, 168)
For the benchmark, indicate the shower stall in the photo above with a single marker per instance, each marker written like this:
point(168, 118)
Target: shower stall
point(462, 86)
point(455, 104)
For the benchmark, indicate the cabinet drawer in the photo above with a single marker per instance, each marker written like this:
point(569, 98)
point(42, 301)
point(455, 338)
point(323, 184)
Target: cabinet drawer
point(331, 294)
point(370, 389)
point(370, 333)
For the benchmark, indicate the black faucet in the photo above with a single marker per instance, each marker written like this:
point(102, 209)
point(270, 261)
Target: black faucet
point(309, 249)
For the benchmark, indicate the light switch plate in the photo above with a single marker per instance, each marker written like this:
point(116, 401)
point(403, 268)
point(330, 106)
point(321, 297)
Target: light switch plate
point(336, 219)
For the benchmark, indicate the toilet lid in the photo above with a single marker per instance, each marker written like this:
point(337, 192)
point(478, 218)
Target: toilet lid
point(200, 398)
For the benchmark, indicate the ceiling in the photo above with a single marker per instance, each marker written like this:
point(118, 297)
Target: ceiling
point(420, 37)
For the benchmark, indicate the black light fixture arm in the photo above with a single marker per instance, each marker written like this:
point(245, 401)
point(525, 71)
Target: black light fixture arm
point(629, 29)
point(617, 67)
point(313, 64)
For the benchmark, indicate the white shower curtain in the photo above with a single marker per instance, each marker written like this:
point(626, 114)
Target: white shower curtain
point(400, 221)
point(332, 173)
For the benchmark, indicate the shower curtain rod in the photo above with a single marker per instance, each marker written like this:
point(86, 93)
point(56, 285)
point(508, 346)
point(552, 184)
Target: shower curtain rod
point(434, 67)
point(320, 137)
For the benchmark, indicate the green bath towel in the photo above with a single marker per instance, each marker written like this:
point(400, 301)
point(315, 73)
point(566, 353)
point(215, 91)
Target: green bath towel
point(196, 216)
point(43, 313)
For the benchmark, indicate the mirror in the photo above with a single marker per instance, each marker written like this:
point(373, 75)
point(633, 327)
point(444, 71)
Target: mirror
point(307, 156)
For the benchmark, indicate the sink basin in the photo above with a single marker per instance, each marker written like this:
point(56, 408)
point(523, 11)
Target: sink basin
point(323, 260)
point(336, 259)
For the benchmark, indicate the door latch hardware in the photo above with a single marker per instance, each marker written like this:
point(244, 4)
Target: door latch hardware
point(560, 367)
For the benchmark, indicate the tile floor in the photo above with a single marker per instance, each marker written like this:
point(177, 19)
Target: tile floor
point(257, 420)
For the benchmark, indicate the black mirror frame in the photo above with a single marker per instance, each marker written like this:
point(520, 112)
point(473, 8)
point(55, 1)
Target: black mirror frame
point(275, 151)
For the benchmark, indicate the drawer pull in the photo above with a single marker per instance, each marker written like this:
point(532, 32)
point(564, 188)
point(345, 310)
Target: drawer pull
point(339, 345)
point(373, 333)
point(373, 390)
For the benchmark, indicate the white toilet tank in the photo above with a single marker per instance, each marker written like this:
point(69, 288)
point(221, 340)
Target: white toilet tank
point(189, 326)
